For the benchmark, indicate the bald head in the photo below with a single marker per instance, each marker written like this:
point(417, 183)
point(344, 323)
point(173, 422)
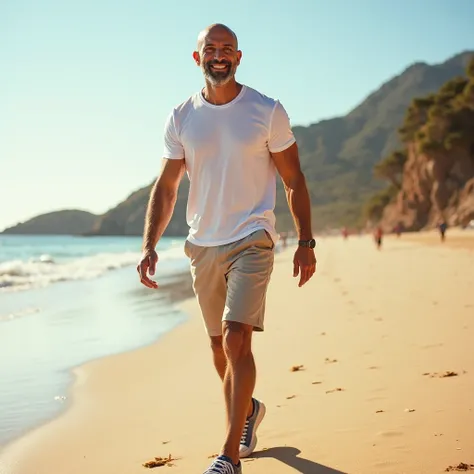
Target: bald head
point(216, 28)
point(217, 54)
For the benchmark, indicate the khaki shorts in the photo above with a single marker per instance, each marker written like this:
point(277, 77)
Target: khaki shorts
point(230, 281)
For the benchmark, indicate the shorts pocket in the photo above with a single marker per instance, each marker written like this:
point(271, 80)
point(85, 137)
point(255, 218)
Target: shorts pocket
point(270, 240)
point(262, 239)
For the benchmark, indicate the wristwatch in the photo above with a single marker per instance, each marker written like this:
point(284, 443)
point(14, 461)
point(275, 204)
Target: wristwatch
point(307, 243)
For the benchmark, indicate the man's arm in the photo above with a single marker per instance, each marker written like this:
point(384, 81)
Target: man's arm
point(287, 163)
point(162, 201)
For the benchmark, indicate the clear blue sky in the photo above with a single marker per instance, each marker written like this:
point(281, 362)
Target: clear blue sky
point(85, 85)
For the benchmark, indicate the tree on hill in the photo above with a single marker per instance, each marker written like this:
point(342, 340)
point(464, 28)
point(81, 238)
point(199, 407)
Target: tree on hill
point(391, 167)
point(436, 124)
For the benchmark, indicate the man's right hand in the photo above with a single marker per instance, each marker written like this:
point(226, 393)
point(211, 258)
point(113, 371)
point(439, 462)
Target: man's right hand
point(147, 266)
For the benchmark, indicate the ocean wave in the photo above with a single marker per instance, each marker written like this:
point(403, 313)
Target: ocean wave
point(41, 271)
point(18, 314)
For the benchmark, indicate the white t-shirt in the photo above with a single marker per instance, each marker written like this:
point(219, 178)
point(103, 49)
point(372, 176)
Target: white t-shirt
point(227, 154)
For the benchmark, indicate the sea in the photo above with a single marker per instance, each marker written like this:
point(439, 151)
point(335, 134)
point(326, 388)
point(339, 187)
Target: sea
point(67, 300)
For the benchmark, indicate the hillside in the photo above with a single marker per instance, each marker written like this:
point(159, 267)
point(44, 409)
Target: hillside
point(65, 222)
point(337, 155)
point(432, 175)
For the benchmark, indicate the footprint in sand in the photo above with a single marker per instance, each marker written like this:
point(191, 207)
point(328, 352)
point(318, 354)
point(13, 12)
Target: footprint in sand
point(375, 399)
point(330, 361)
point(432, 346)
point(390, 434)
point(338, 389)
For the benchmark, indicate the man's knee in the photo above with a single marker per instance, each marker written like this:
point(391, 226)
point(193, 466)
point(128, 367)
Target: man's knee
point(216, 345)
point(237, 340)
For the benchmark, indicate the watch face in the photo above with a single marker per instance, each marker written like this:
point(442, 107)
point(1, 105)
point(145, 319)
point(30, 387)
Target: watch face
point(308, 243)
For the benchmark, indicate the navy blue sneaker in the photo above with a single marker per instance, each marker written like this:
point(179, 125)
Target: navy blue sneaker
point(248, 442)
point(224, 465)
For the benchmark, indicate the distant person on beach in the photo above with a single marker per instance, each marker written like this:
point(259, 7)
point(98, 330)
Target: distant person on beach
point(398, 230)
point(231, 140)
point(442, 227)
point(378, 237)
point(284, 239)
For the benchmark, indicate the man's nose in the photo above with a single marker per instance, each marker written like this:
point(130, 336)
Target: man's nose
point(219, 54)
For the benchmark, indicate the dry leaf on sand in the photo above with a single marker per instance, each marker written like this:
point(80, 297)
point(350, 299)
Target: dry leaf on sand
point(159, 462)
point(297, 368)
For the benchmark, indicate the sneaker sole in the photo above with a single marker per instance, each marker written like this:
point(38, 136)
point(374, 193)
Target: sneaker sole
point(253, 442)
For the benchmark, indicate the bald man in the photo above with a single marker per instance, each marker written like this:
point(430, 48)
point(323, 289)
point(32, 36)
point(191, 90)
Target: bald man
point(231, 141)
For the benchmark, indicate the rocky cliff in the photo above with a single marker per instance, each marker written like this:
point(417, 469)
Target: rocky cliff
point(437, 174)
point(435, 186)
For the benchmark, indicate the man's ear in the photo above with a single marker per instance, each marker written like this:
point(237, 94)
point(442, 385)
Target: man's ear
point(197, 58)
point(239, 57)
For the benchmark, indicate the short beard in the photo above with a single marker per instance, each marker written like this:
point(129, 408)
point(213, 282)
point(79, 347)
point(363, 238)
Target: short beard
point(218, 79)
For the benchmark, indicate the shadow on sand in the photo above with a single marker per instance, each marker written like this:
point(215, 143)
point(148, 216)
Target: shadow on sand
point(289, 456)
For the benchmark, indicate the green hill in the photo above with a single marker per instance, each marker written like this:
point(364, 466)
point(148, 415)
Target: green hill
point(337, 156)
point(65, 222)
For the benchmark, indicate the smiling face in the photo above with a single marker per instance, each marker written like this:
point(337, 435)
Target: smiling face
point(218, 54)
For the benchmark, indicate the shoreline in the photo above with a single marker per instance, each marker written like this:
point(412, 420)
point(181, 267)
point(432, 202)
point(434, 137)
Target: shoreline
point(174, 289)
point(170, 390)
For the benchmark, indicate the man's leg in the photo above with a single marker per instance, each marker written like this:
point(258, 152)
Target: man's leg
point(250, 266)
point(220, 363)
point(239, 382)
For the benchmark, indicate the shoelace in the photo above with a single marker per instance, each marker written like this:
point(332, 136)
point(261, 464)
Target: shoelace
point(244, 433)
point(220, 467)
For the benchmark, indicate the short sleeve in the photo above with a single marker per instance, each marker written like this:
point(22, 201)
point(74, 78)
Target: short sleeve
point(281, 136)
point(173, 149)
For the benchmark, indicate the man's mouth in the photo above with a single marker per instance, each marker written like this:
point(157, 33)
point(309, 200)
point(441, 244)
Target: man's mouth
point(219, 67)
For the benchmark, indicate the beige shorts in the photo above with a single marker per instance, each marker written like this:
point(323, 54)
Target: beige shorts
point(230, 281)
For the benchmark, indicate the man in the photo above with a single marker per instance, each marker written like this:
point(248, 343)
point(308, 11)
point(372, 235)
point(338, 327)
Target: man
point(231, 140)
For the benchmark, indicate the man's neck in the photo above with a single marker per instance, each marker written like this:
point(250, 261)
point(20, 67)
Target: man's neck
point(223, 94)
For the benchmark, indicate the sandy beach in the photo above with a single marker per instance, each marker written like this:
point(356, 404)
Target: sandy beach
point(386, 385)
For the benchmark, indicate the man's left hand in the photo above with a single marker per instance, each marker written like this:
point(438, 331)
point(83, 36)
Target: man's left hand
point(304, 264)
